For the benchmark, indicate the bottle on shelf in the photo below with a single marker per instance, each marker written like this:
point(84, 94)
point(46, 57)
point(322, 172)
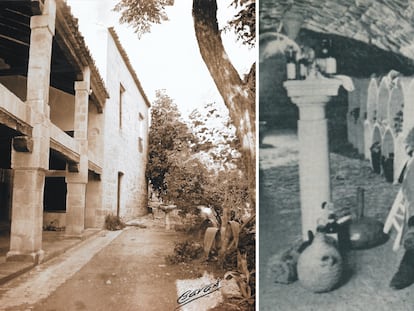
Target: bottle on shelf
point(312, 66)
point(291, 63)
point(323, 56)
point(302, 64)
point(330, 68)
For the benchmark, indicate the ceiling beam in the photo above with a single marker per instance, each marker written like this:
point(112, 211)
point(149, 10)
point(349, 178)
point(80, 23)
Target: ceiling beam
point(14, 40)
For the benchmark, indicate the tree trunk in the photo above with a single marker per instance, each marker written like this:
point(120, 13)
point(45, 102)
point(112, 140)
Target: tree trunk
point(237, 95)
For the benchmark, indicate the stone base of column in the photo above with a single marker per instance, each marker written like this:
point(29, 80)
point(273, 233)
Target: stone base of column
point(35, 257)
point(27, 216)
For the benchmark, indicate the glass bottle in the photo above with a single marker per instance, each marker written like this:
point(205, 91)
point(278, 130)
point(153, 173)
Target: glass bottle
point(303, 64)
point(330, 68)
point(291, 63)
point(323, 56)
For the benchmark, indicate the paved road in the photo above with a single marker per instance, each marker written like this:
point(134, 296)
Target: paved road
point(123, 270)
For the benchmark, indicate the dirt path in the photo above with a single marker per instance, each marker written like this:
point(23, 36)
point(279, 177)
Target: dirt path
point(123, 276)
point(44, 279)
point(129, 273)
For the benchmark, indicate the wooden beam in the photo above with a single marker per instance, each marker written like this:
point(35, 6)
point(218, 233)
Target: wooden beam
point(15, 71)
point(14, 123)
point(23, 144)
point(93, 167)
point(64, 152)
point(73, 167)
point(55, 173)
point(14, 40)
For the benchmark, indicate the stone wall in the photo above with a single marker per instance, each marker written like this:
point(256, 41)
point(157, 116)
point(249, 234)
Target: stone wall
point(123, 158)
point(15, 84)
point(62, 105)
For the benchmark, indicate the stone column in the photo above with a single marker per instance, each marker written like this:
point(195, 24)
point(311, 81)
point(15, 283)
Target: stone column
point(311, 97)
point(77, 181)
point(29, 164)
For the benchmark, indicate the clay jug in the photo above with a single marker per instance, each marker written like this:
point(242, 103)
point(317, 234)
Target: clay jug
point(320, 265)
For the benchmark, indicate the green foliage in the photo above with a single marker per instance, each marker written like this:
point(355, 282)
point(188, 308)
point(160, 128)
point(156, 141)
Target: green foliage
point(228, 194)
point(185, 182)
point(175, 170)
point(217, 135)
point(242, 275)
point(228, 190)
point(209, 239)
point(246, 245)
point(141, 14)
point(244, 22)
point(169, 141)
point(185, 252)
point(113, 222)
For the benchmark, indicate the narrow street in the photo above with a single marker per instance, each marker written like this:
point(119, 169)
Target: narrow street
point(120, 270)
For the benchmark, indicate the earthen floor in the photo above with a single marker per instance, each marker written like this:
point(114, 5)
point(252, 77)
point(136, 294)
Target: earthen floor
point(366, 287)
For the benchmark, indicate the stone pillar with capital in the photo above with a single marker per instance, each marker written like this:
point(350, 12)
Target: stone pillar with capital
point(77, 181)
point(311, 96)
point(29, 164)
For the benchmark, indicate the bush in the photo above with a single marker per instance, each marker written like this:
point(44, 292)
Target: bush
point(113, 223)
point(185, 252)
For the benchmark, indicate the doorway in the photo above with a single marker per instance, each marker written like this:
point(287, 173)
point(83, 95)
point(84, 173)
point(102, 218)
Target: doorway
point(119, 197)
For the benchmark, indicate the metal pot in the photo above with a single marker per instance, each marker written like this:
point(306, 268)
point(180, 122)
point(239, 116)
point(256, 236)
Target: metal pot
point(365, 232)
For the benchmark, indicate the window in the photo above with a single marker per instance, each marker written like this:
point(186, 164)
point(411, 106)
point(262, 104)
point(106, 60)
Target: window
point(121, 102)
point(141, 131)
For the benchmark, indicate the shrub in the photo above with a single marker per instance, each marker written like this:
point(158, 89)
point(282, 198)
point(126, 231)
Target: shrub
point(113, 223)
point(185, 252)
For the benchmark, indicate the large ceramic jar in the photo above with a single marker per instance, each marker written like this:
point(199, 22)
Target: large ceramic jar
point(320, 265)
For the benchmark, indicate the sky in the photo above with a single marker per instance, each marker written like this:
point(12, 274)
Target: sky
point(166, 58)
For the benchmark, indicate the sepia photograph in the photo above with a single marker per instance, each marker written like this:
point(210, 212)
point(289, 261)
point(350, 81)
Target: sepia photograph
point(128, 155)
point(336, 137)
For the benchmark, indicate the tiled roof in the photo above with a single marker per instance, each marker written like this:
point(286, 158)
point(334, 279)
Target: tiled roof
point(76, 50)
point(124, 56)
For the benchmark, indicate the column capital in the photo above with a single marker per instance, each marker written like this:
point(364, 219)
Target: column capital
point(81, 86)
point(43, 21)
point(311, 95)
point(47, 19)
point(319, 86)
point(310, 100)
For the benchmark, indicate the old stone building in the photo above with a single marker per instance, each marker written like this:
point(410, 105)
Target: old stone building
point(72, 147)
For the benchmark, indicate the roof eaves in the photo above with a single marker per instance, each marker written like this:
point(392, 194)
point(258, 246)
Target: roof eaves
point(125, 58)
point(73, 40)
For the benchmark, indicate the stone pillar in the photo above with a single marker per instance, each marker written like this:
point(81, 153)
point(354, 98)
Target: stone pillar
point(77, 181)
point(29, 164)
point(311, 97)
